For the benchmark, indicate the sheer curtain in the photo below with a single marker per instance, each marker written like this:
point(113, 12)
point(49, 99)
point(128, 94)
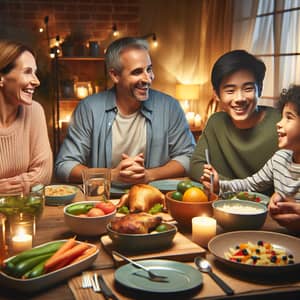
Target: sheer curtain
point(270, 30)
point(191, 34)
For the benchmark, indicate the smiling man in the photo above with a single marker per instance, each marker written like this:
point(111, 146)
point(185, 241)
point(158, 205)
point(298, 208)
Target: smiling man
point(139, 133)
point(242, 137)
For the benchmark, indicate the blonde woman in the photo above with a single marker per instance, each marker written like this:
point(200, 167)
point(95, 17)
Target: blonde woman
point(25, 152)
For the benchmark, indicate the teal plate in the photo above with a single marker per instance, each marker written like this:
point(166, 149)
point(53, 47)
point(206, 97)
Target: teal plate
point(182, 277)
point(168, 185)
point(250, 196)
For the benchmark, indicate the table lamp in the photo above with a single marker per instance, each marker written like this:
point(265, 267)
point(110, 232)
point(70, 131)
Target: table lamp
point(186, 93)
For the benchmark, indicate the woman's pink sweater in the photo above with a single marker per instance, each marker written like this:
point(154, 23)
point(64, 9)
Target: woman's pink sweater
point(25, 151)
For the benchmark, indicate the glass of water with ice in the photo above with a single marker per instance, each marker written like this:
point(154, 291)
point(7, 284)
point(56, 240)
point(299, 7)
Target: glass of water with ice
point(96, 184)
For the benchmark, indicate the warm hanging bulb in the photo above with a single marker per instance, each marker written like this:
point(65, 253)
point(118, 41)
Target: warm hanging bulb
point(115, 30)
point(154, 40)
point(41, 29)
point(52, 52)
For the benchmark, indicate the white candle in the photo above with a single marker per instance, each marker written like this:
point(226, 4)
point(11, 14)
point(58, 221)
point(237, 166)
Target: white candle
point(82, 92)
point(21, 241)
point(203, 229)
point(190, 116)
point(197, 120)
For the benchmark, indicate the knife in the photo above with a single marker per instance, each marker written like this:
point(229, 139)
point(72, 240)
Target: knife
point(106, 291)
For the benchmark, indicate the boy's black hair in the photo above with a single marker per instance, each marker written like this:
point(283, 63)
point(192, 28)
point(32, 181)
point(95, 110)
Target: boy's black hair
point(292, 95)
point(234, 61)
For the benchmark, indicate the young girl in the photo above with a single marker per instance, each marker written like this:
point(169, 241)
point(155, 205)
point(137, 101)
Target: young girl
point(282, 170)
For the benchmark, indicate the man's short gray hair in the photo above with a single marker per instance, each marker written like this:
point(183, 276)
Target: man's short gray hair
point(114, 50)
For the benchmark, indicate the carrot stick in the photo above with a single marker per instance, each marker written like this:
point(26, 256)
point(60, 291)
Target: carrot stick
point(88, 252)
point(69, 254)
point(70, 243)
point(85, 254)
point(56, 267)
point(60, 265)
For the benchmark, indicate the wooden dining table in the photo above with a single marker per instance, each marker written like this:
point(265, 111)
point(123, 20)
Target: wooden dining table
point(52, 227)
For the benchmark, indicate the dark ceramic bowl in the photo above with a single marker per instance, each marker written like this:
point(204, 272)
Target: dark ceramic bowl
point(142, 242)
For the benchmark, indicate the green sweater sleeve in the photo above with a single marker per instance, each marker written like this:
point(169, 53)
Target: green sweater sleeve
point(234, 152)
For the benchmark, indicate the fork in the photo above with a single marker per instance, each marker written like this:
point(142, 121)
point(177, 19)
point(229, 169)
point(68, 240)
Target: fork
point(153, 276)
point(86, 281)
point(95, 284)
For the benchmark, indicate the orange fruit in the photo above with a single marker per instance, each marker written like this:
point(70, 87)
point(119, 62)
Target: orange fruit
point(194, 194)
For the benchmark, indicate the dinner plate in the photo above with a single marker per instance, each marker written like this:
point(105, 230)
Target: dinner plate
point(261, 198)
point(221, 243)
point(33, 285)
point(168, 185)
point(182, 277)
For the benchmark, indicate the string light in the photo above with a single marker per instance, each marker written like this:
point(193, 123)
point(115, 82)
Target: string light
point(115, 30)
point(154, 38)
point(52, 53)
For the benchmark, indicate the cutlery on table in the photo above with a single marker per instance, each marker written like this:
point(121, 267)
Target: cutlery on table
point(106, 291)
point(86, 280)
point(204, 266)
point(152, 275)
point(95, 283)
point(212, 174)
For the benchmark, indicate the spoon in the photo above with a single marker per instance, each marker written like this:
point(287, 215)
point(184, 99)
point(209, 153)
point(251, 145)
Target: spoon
point(204, 266)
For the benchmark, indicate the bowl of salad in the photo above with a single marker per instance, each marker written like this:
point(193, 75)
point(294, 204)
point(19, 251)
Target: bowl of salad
point(31, 203)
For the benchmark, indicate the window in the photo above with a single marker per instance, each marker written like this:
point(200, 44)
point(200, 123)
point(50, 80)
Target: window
point(269, 29)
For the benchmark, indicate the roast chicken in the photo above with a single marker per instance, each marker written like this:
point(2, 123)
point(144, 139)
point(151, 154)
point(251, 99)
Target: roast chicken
point(136, 223)
point(142, 197)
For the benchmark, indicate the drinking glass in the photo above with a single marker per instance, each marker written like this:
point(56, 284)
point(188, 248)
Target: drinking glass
point(96, 184)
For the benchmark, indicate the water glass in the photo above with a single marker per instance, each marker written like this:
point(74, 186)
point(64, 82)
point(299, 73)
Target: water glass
point(96, 184)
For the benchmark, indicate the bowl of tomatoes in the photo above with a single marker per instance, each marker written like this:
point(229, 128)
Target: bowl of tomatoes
point(89, 218)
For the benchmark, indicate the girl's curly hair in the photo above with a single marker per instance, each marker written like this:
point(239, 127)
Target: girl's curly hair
point(292, 95)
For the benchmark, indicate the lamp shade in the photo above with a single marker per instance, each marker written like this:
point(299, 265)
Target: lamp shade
point(187, 91)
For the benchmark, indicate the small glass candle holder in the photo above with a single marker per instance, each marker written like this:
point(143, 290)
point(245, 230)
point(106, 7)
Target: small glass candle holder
point(22, 232)
point(3, 245)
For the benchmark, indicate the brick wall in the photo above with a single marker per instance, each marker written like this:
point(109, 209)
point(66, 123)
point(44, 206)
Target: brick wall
point(21, 20)
point(94, 17)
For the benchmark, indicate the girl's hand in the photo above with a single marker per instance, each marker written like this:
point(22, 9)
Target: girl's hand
point(205, 178)
point(286, 212)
